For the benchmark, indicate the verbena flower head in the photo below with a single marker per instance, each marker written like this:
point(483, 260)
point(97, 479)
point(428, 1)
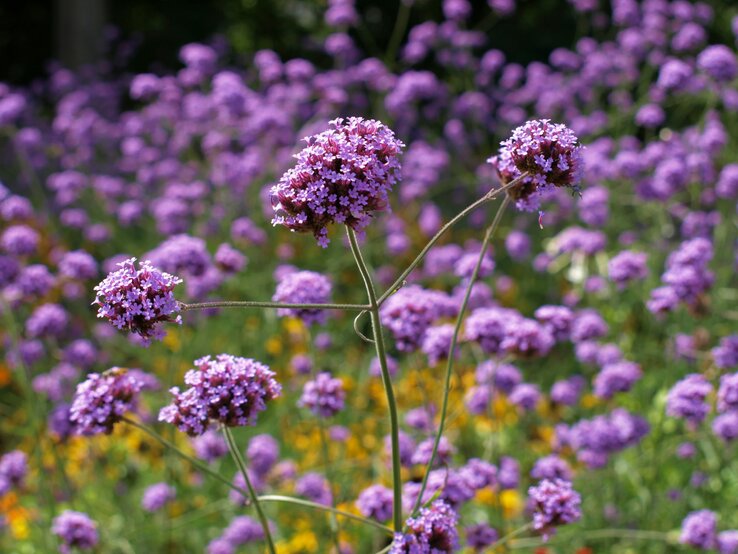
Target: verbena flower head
point(314, 487)
point(375, 502)
point(324, 396)
point(227, 389)
point(727, 542)
point(13, 470)
point(627, 266)
point(687, 399)
point(408, 314)
point(343, 175)
point(304, 287)
point(699, 529)
point(138, 299)
point(157, 496)
point(262, 453)
point(242, 530)
point(727, 396)
point(551, 467)
point(616, 377)
point(480, 536)
point(555, 503)
point(557, 319)
point(210, 446)
point(725, 354)
point(433, 531)
point(75, 530)
point(102, 400)
point(549, 152)
point(595, 439)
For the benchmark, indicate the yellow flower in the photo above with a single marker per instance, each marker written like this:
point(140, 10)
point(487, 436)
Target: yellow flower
point(274, 346)
point(589, 401)
point(172, 339)
point(512, 503)
point(486, 496)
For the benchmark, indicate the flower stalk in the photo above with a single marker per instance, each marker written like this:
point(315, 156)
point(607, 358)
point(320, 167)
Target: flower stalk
point(452, 348)
point(386, 379)
point(236, 454)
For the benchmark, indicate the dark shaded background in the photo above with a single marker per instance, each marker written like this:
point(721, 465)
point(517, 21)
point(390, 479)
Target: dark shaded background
point(34, 32)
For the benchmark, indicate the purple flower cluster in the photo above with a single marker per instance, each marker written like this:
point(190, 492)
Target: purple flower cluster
point(375, 502)
point(557, 319)
point(551, 467)
point(304, 287)
point(138, 299)
point(554, 503)
point(699, 529)
point(102, 400)
point(502, 330)
point(437, 342)
point(627, 266)
point(408, 314)
point(262, 453)
point(13, 470)
point(157, 496)
point(48, 320)
point(433, 531)
point(687, 399)
point(315, 488)
point(616, 377)
point(227, 389)
point(596, 439)
point(686, 277)
point(725, 354)
point(324, 395)
point(480, 536)
point(210, 446)
point(549, 153)
point(343, 175)
point(240, 531)
point(75, 530)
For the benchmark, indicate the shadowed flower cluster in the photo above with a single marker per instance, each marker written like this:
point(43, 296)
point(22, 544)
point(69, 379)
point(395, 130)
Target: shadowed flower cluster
point(433, 531)
point(304, 287)
point(555, 503)
point(102, 400)
point(75, 530)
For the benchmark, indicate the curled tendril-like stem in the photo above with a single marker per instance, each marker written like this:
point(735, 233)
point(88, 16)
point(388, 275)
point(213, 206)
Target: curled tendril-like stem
point(358, 332)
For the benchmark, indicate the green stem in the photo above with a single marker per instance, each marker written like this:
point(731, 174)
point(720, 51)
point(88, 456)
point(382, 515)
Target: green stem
point(236, 454)
point(452, 348)
point(403, 17)
point(315, 506)
point(174, 448)
point(267, 498)
point(509, 536)
point(386, 379)
point(600, 534)
point(491, 195)
point(254, 304)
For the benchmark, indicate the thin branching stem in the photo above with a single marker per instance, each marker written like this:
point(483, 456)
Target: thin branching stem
point(386, 379)
point(315, 506)
point(491, 195)
point(174, 448)
point(452, 348)
point(257, 304)
point(504, 540)
point(238, 458)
